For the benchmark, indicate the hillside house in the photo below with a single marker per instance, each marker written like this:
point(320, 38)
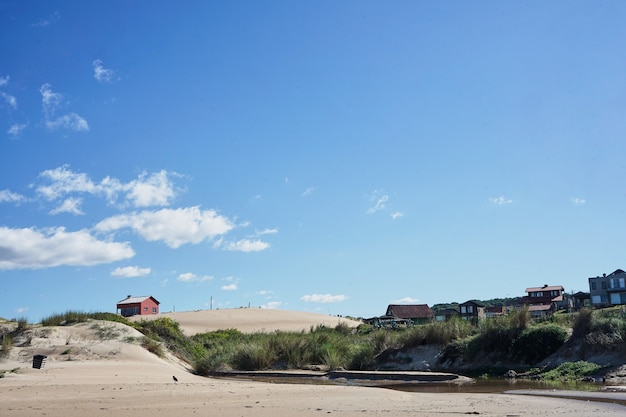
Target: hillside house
point(133, 306)
point(495, 311)
point(416, 313)
point(472, 310)
point(608, 290)
point(545, 300)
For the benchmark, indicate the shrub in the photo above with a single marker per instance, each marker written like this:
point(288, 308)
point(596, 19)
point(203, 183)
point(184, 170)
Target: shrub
point(253, 357)
point(582, 323)
point(152, 346)
point(363, 358)
point(7, 345)
point(538, 342)
point(572, 371)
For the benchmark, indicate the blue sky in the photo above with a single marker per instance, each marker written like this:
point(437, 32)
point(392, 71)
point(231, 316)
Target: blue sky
point(327, 156)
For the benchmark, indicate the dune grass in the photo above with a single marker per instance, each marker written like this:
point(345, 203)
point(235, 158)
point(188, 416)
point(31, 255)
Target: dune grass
point(515, 337)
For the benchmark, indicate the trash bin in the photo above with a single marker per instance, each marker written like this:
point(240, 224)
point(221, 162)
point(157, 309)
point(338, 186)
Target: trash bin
point(39, 361)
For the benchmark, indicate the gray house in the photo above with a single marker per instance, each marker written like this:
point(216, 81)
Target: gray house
point(608, 290)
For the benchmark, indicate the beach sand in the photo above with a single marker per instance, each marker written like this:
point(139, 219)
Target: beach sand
point(88, 375)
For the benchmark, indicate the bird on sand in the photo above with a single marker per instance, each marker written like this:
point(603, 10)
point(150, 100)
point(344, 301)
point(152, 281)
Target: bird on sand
point(174, 378)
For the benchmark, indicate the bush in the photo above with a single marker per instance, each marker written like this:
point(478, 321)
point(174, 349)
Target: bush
point(253, 357)
point(539, 342)
point(572, 371)
point(582, 323)
point(7, 345)
point(152, 346)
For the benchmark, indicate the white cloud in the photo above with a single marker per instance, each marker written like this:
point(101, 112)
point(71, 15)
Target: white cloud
point(11, 101)
point(64, 181)
point(151, 190)
point(35, 249)
point(266, 232)
point(380, 202)
point(406, 300)
point(16, 129)
point(186, 277)
point(21, 310)
point(322, 298)
point(578, 201)
point(4, 81)
point(70, 205)
point(101, 74)
point(229, 287)
point(175, 227)
point(51, 103)
point(130, 272)
point(50, 100)
point(247, 245)
point(396, 215)
point(308, 191)
point(70, 121)
point(500, 201)
point(45, 22)
point(7, 196)
point(264, 292)
point(147, 190)
point(272, 305)
point(191, 277)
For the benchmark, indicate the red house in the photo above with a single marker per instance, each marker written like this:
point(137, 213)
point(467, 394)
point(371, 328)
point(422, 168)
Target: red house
point(132, 306)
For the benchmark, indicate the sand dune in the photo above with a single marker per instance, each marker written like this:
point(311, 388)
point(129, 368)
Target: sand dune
point(99, 369)
point(249, 320)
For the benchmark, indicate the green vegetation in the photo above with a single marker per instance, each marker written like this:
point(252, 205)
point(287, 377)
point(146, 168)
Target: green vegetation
point(7, 345)
point(514, 338)
point(571, 371)
point(73, 317)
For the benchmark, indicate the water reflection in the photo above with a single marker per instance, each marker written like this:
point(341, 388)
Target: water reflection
point(498, 385)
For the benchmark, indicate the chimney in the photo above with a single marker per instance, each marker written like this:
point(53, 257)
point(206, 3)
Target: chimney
point(127, 297)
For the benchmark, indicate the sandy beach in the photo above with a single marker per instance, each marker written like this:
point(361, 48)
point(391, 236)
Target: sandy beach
point(87, 376)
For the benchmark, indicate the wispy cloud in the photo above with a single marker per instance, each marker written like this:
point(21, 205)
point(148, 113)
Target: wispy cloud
point(379, 202)
point(147, 190)
point(266, 232)
point(47, 21)
point(7, 196)
point(70, 205)
point(500, 201)
point(229, 287)
point(191, 277)
point(52, 104)
point(101, 74)
point(130, 272)
point(396, 215)
point(4, 81)
point(308, 191)
point(9, 99)
point(32, 248)
point(264, 292)
point(16, 129)
point(323, 298)
point(578, 201)
point(406, 300)
point(247, 245)
point(272, 305)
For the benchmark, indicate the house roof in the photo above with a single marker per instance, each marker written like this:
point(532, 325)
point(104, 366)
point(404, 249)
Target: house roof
point(473, 302)
point(410, 311)
point(135, 300)
point(545, 288)
point(617, 272)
